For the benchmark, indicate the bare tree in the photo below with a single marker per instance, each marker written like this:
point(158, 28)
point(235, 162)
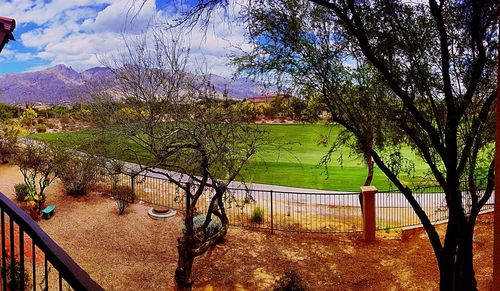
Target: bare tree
point(154, 106)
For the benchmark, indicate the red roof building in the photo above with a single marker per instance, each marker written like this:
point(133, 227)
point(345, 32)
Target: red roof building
point(7, 26)
point(268, 98)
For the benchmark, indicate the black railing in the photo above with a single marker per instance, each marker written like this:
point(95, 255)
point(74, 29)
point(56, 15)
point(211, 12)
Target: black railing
point(394, 211)
point(323, 212)
point(29, 255)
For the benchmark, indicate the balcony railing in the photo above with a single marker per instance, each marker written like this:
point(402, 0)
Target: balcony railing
point(30, 259)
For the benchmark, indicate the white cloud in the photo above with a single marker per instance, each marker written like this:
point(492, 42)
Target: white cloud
point(77, 33)
point(118, 18)
point(213, 45)
point(41, 12)
point(11, 55)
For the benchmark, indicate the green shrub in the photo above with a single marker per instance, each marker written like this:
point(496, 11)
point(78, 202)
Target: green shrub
point(6, 112)
point(22, 191)
point(257, 215)
point(213, 227)
point(41, 128)
point(290, 281)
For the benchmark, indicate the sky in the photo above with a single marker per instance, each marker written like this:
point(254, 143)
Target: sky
point(81, 33)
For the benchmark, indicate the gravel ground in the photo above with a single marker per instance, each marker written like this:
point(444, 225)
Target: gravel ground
point(134, 252)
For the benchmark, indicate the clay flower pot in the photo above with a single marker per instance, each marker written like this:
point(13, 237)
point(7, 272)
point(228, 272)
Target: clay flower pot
point(35, 213)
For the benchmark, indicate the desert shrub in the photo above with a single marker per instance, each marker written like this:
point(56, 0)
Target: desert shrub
point(78, 173)
point(51, 124)
point(290, 281)
point(122, 205)
point(213, 227)
point(122, 191)
point(6, 111)
point(123, 195)
point(67, 120)
point(41, 128)
point(41, 120)
point(8, 139)
point(58, 111)
point(28, 117)
point(22, 190)
point(257, 215)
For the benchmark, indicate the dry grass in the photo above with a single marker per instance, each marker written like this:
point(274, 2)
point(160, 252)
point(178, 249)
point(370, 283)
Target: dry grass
point(134, 252)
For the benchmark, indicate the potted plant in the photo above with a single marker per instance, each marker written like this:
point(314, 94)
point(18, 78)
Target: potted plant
point(34, 211)
point(40, 200)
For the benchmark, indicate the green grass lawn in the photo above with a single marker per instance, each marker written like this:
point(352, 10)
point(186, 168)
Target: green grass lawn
point(294, 164)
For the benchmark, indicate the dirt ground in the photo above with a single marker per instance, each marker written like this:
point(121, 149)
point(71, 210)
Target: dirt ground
point(134, 252)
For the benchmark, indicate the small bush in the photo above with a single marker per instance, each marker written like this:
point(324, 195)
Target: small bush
point(123, 195)
point(213, 227)
point(41, 120)
point(290, 281)
point(22, 191)
point(67, 120)
point(78, 173)
point(51, 124)
point(124, 192)
point(257, 215)
point(40, 128)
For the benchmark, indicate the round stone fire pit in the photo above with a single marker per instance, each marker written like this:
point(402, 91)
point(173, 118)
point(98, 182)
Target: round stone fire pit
point(161, 213)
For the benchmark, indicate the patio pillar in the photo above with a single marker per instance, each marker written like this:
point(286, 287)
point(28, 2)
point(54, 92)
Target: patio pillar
point(369, 225)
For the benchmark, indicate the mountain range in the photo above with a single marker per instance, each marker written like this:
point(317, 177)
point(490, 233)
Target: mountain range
point(62, 84)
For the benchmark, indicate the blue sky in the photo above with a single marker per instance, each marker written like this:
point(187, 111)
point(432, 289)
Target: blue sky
point(80, 33)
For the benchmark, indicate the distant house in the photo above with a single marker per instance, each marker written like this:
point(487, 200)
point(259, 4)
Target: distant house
point(33, 105)
point(267, 98)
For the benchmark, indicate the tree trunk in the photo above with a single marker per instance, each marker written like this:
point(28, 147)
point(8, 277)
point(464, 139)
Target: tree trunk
point(369, 176)
point(369, 163)
point(457, 266)
point(184, 264)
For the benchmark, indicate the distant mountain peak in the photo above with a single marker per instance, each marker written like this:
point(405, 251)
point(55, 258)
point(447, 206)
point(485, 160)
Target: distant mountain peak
point(62, 84)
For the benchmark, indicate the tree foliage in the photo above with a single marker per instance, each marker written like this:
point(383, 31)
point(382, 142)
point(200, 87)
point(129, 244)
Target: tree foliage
point(28, 118)
point(393, 73)
point(6, 112)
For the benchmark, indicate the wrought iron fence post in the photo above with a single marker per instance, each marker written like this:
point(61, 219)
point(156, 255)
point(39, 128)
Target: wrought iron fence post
point(272, 220)
point(188, 202)
point(132, 181)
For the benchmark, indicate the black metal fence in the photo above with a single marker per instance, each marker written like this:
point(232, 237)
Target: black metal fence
point(394, 211)
point(31, 260)
point(293, 211)
point(273, 210)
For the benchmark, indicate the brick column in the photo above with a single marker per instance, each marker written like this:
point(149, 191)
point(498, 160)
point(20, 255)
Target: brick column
point(369, 225)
